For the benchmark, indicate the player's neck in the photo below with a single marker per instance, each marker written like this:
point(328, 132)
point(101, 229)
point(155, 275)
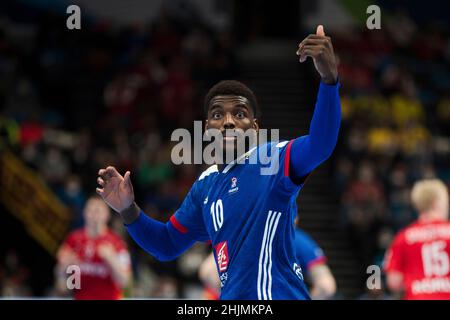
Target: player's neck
point(237, 157)
point(222, 163)
point(95, 231)
point(430, 216)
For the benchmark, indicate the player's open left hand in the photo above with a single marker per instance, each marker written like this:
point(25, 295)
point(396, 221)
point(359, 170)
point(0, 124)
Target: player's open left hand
point(116, 191)
point(320, 49)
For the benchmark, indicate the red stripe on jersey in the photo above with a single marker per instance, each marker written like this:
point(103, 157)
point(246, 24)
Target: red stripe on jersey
point(319, 260)
point(177, 225)
point(287, 158)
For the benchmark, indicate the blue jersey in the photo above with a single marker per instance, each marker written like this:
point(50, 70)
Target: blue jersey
point(307, 250)
point(249, 216)
point(249, 219)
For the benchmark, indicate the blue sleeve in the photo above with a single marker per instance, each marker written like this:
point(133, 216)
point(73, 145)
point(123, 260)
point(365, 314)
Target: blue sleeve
point(166, 241)
point(159, 239)
point(308, 152)
point(307, 250)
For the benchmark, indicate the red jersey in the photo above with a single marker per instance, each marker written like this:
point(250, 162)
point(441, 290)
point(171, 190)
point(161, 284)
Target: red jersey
point(96, 279)
point(421, 253)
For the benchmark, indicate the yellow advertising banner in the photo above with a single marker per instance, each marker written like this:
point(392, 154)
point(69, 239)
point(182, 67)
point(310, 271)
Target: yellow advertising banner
point(28, 198)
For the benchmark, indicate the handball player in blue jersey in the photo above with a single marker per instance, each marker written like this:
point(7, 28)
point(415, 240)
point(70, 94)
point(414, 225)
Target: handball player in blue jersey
point(310, 257)
point(313, 262)
point(248, 216)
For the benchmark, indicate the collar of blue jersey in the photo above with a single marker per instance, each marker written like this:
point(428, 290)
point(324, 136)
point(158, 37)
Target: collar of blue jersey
point(232, 163)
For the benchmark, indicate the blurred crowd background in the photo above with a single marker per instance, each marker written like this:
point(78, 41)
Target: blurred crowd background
point(396, 127)
point(72, 102)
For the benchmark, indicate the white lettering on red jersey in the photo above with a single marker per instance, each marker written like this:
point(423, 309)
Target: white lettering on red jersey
point(421, 253)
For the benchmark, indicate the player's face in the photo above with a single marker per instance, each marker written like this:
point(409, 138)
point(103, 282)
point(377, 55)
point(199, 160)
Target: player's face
point(232, 113)
point(96, 213)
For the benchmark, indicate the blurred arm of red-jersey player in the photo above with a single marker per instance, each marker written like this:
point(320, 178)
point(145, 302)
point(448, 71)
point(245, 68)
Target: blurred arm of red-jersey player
point(118, 261)
point(65, 257)
point(208, 274)
point(394, 265)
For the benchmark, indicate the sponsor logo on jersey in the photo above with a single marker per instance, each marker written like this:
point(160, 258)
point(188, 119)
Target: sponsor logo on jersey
point(223, 278)
point(234, 188)
point(94, 269)
point(222, 255)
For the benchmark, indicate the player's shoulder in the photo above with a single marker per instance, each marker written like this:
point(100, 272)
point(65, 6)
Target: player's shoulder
point(115, 238)
point(402, 236)
point(276, 145)
point(77, 234)
point(75, 237)
point(299, 235)
point(302, 235)
point(281, 144)
point(265, 152)
point(441, 228)
point(269, 150)
point(208, 173)
point(412, 227)
point(304, 239)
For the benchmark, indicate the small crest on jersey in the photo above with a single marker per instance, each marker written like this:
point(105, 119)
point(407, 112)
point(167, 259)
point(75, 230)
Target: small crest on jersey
point(298, 271)
point(234, 186)
point(222, 255)
point(205, 201)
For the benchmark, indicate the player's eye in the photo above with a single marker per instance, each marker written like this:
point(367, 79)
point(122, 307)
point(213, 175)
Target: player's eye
point(216, 115)
point(240, 115)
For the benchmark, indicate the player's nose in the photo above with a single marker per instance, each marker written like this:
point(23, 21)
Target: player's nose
point(229, 122)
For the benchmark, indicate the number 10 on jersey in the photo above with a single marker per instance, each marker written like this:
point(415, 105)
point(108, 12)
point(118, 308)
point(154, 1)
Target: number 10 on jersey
point(217, 214)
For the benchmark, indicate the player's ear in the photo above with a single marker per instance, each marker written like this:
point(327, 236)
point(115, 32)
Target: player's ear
point(255, 124)
point(206, 125)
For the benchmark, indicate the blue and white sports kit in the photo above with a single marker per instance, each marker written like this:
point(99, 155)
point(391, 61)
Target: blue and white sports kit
point(247, 216)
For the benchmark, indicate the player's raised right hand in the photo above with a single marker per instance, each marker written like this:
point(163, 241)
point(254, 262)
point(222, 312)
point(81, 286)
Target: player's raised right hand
point(115, 189)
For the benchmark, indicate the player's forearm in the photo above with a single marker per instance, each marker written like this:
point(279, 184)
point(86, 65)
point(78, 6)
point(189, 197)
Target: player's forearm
point(324, 128)
point(310, 151)
point(61, 279)
point(326, 120)
point(208, 273)
point(323, 288)
point(394, 281)
point(120, 274)
point(323, 282)
point(160, 240)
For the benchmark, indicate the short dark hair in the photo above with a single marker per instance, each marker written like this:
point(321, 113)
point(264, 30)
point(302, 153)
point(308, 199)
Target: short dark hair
point(235, 88)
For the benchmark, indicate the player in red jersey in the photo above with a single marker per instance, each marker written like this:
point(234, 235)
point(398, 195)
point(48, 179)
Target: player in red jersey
point(417, 264)
point(101, 255)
